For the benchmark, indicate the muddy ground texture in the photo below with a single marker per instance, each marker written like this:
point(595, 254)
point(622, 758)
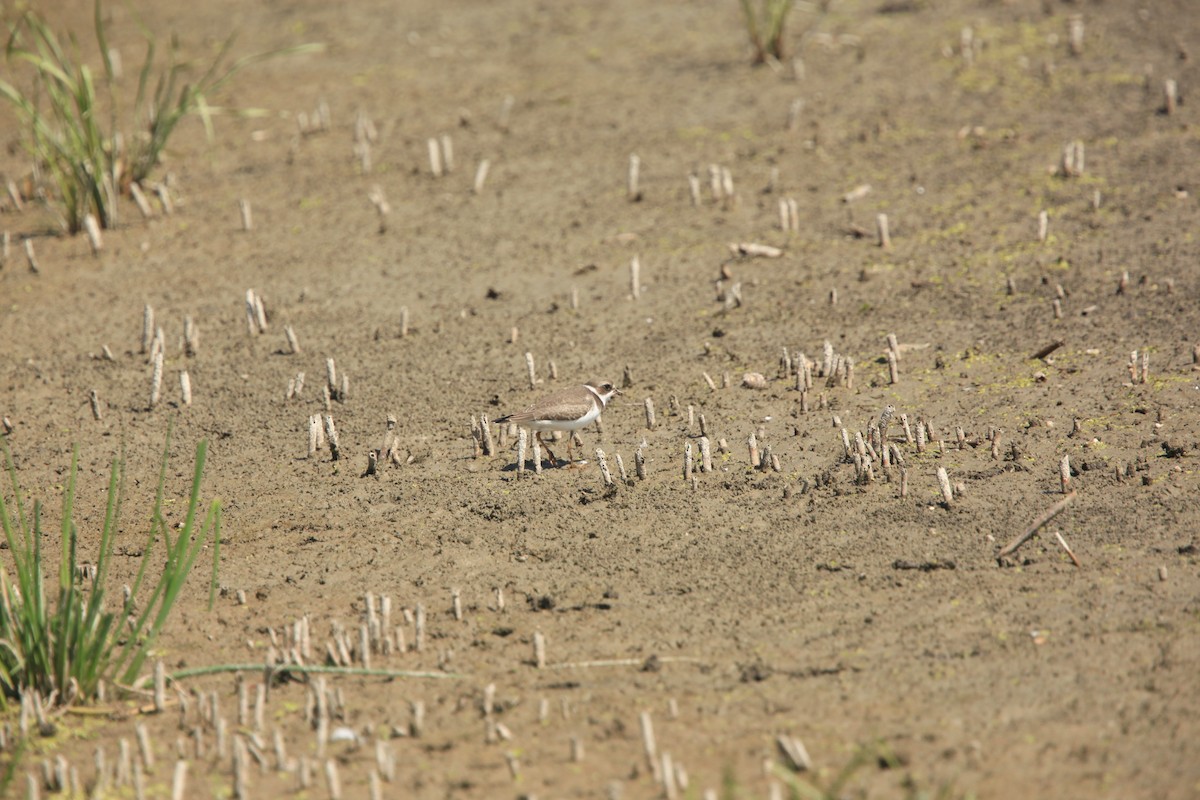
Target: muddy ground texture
point(732, 609)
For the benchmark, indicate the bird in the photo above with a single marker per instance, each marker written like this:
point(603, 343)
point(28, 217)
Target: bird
point(565, 410)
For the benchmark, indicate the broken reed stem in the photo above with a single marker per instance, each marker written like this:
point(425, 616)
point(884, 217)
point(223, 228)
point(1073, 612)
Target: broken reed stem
point(604, 473)
point(92, 228)
point(489, 447)
point(1036, 525)
point(332, 780)
point(315, 434)
point(94, 399)
point(539, 650)
point(179, 780)
point(1075, 34)
point(522, 441)
point(377, 196)
point(139, 198)
point(639, 464)
point(147, 328)
point(944, 484)
point(164, 198)
point(30, 257)
point(705, 454)
point(156, 379)
point(185, 387)
point(481, 173)
point(687, 461)
point(435, 158)
point(633, 193)
point(649, 746)
point(247, 219)
point(635, 277)
point(881, 229)
point(752, 445)
point(1170, 96)
point(191, 337)
point(160, 687)
point(650, 420)
point(293, 342)
point(332, 437)
point(893, 368)
point(530, 370)
point(331, 376)
point(1043, 225)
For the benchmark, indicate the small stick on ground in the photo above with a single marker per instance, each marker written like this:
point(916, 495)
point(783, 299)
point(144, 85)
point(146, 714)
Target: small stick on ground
point(139, 198)
point(1063, 543)
point(1036, 525)
point(753, 249)
point(1047, 350)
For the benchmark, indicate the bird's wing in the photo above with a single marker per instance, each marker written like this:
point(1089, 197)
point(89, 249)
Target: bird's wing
point(564, 405)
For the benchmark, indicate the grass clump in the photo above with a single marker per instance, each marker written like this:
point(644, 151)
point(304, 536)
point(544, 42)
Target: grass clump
point(60, 639)
point(766, 24)
point(83, 159)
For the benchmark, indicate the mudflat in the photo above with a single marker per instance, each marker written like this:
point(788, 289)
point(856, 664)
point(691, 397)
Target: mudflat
point(828, 592)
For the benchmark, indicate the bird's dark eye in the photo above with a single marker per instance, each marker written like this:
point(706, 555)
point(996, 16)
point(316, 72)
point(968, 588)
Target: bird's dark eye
point(607, 387)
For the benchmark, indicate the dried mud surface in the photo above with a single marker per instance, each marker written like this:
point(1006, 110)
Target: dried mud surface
point(754, 603)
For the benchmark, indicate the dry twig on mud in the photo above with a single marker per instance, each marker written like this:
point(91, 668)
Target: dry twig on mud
point(1036, 525)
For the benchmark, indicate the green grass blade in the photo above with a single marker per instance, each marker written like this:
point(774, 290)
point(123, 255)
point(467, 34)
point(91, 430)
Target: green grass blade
point(102, 41)
point(181, 556)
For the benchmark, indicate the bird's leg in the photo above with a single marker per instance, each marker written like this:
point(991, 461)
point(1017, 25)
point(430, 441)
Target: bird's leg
point(549, 452)
point(570, 450)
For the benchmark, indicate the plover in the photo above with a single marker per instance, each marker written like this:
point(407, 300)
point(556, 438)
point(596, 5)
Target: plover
point(565, 410)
